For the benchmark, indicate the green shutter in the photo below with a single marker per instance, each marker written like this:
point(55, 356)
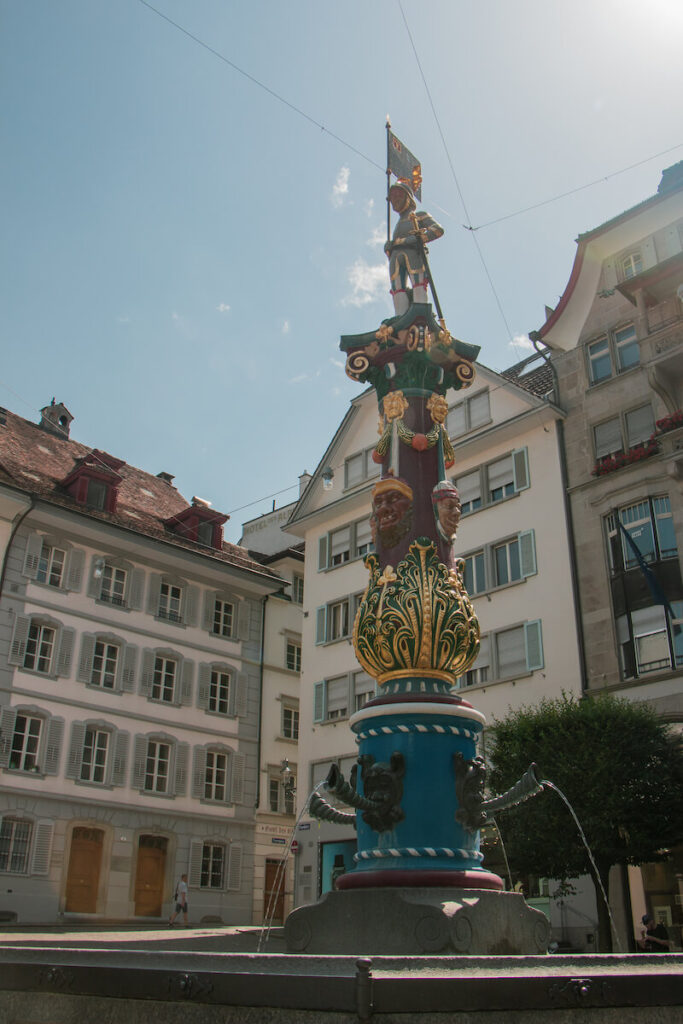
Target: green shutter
point(520, 469)
point(320, 701)
point(234, 878)
point(139, 762)
point(128, 657)
point(42, 847)
point(527, 552)
point(195, 867)
point(198, 772)
point(66, 646)
point(323, 546)
point(321, 624)
point(204, 687)
point(34, 547)
point(147, 674)
point(17, 651)
point(75, 758)
point(533, 639)
point(84, 673)
point(120, 758)
point(8, 718)
point(55, 731)
point(182, 751)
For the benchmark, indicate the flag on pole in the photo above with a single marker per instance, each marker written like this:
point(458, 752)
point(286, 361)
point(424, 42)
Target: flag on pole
point(404, 165)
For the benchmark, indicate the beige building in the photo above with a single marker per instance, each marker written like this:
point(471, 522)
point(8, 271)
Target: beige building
point(130, 689)
point(617, 348)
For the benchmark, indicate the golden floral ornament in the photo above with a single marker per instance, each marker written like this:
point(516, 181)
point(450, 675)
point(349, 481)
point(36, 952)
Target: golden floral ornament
point(438, 407)
point(383, 333)
point(394, 405)
point(356, 365)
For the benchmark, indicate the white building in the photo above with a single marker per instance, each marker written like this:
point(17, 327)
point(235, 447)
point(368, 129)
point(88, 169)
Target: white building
point(130, 681)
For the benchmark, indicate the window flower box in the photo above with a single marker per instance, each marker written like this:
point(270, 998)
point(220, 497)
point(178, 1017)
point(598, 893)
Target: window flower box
point(613, 462)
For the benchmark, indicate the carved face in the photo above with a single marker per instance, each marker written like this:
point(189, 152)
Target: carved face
point(392, 511)
point(449, 511)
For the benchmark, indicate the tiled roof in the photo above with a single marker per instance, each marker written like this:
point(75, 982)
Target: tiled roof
point(538, 379)
point(295, 551)
point(37, 461)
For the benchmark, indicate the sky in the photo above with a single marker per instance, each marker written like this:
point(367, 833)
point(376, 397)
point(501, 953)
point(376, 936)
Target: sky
point(195, 212)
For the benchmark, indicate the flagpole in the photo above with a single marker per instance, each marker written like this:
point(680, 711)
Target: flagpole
point(388, 179)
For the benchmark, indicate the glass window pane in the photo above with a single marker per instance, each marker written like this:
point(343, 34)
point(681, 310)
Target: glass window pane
point(500, 478)
point(599, 361)
point(666, 535)
point(628, 352)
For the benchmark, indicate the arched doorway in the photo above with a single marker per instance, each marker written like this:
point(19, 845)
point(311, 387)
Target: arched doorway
point(83, 877)
point(150, 873)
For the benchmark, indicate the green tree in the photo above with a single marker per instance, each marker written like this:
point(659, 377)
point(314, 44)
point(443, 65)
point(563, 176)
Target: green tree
point(619, 768)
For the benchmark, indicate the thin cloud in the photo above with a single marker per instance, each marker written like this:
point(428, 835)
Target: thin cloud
point(340, 189)
point(368, 282)
point(223, 307)
point(175, 316)
point(337, 362)
point(522, 341)
point(378, 236)
point(370, 207)
point(285, 327)
point(300, 379)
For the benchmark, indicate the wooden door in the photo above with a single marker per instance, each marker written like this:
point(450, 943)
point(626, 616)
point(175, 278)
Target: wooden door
point(274, 903)
point(83, 878)
point(149, 876)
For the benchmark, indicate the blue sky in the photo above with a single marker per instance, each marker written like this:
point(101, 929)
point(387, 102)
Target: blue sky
point(182, 250)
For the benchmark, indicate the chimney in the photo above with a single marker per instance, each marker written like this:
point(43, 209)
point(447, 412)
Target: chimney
point(56, 419)
point(304, 481)
point(168, 478)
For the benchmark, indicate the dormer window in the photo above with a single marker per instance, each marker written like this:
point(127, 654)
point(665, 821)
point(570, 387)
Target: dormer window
point(199, 523)
point(631, 265)
point(95, 480)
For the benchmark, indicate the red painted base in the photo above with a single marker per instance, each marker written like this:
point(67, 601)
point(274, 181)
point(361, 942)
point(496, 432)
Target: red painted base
point(420, 879)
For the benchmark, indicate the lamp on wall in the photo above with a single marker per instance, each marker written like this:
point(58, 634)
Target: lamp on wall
point(287, 779)
point(99, 567)
point(328, 478)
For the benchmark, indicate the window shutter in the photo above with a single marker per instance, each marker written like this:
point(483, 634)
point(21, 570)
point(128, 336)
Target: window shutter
point(194, 875)
point(182, 751)
point(119, 763)
point(42, 847)
point(75, 759)
point(320, 701)
point(234, 880)
point(241, 700)
point(66, 647)
point(237, 765)
point(128, 659)
point(154, 593)
point(139, 762)
point(186, 677)
point(8, 717)
point(74, 578)
point(527, 552)
point(95, 582)
point(533, 639)
point(209, 606)
point(198, 772)
point(520, 469)
point(322, 553)
point(147, 674)
point(321, 624)
point(136, 587)
point(191, 606)
point(34, 547)
point(243, 618)
point(84, 673)
point(17, 652)
point(55, 731)
point(204, 686)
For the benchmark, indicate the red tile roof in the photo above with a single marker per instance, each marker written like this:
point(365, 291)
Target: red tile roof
point(37, 461)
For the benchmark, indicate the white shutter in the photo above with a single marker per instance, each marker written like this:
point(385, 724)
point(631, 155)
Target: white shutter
point(136, 587)
point(321, 624)
point(128, 658)
point(533, 639)
point(154, 593)
point(455, 421)
point(237, 767)
point(119, 764)
point(74, 578)
point(243, 619)
point(608, 437)
point(139, 762)
point(204, 686)
point(8, 717)
point(147, 674)
point(469, 487)
point(191, 606)
point(198, 772)
point(55, 731)
point(34, 547)
point(187, 674)
point(42, 847)
point(320, 701)
point(182, 751)
point(94, 581)
point(520, 469)
point(239, 685)
point(479, 409)
point(234, 879)
point(338, 697)
point(209, 606)
point(17, 652)
point(195, 869)
point(527, 552)
point(75, 759)
point(66, 646)
point(84, 673)
point(323, 553)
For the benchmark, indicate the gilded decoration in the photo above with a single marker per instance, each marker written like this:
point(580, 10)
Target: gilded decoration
point(416, 618)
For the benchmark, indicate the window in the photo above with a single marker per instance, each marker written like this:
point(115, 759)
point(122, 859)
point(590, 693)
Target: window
point(274, 793)
point(163, 684)
point(96, 494)
point(53, 563)
point(94, 761)
point(346, 543)
point(113, 589)
point(40, 646)
point(290, 722)
point(219, 692)
point(360, 467)
point(502, 563)
point(494, 482)
point(631, 265)
point(51, 566)
point(293, 656)
point(332, 698)
point(613, 353)
point(469, 415)
point(332, 621)
point(298, 589)
point(281, 801)
point(215, 779)
point(623, 432)
point(650, 639)
point(213, 865)
point(222, 690)
point(213, 860)
point(363, 688)
point(170, 598)
point(157, 767)
point(25, 743)
point(205, 533)
point(105, 660)
point(223, 618)
point(507, 653)
point(649, 525)
point(15, 843)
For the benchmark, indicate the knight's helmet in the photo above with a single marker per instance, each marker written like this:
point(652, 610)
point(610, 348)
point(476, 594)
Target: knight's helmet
point(401, 185)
